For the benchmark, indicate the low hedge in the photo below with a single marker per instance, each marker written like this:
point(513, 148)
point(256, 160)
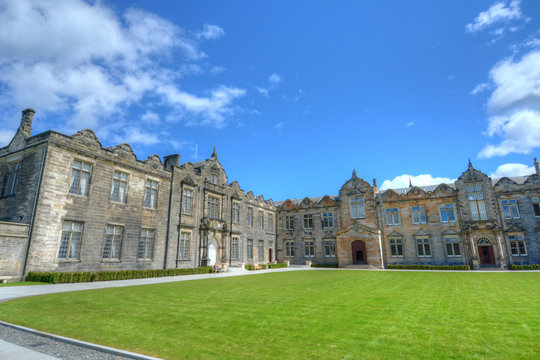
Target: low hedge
point(75, 277)
point(277, 266)
point(525, 267)
point(428, 267)
point(250, 267)
point(324, 265)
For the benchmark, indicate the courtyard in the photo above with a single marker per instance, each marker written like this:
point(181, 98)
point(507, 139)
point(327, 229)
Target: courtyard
point(324, 314)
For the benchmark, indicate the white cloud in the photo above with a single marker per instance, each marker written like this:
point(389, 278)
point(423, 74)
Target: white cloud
point(515, 106)
point(279, 125)
point(274, 79)
point(217, 70)
point(500, 12)
point(5, 137)
point(479, 88)
point(409, 124)
point(510, 170)
point(262, 91)
point(402, 181)
point(138, 136)
point(87, 64)
point(211, 32)
point(150, 118)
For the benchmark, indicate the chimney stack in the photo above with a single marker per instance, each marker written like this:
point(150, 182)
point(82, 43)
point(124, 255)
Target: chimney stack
point(26, 121)
point(375, 182)
point(536, 166)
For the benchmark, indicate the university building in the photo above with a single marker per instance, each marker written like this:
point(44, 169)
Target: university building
point(69, 204)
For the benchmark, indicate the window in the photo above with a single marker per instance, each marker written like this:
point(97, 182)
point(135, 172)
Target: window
point(289, 222)
point(396, 247)
point(183, 245)
point(70, 244)
point(357, 207)
point(9, 183)
point(328, 220)
point(422, 247)
point(418, 215)
point(187, 201)
point(392, 216)
point(517, 245)
point(536, 206)
point(214, 179)
point(261, 220)
point(261, 250)
point(510, 208)
point(146, 244)
point(235, 212)
point(447, 213)
point(80, 178)
point(250, 216)
point(213, 207)
point(150, 194)
point(271, 222)
point(476, 202)
point(289, 248)
point(452, 246)
point(309, 248)
point(330, 248)
point(119, 187)
point(234, 248)
point(113, 241)
point(250, 249)
point(308, 221)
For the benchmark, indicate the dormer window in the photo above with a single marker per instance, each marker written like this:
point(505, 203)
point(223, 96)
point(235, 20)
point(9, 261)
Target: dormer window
point(214, 179)
point(357, 208)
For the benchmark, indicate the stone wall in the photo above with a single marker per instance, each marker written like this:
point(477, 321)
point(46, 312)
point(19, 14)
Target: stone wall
point(13, 242)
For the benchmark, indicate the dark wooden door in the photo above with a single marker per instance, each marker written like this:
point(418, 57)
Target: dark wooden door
point(486, 255)
point(358, 252)
point(269, 255)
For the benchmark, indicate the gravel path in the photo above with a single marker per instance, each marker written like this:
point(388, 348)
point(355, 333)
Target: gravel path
point(52, 347)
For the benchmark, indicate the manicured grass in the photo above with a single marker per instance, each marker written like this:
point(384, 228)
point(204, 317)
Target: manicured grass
point(305, 315)
point(23, 283)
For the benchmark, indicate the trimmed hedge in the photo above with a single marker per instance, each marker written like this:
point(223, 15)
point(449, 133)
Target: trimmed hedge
point(277, 266)
point(428, 267)
point(250, 267)
point(525, 267)
point(75, 277)
point(324, 265)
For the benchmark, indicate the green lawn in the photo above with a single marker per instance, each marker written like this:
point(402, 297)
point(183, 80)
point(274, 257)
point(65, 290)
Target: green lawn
point(22, 283)
point(305, 315)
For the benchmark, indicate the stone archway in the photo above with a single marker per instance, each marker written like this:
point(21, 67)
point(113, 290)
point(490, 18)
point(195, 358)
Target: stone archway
point(359, 255)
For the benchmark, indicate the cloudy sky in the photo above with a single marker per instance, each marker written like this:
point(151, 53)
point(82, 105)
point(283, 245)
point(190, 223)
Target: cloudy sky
point(294, 95)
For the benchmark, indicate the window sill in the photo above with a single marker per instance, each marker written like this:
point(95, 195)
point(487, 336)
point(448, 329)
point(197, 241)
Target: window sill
point(68, 261)
point(521, 255)
point(145, 260)
point(149, 208)
point(184, 259)
point(110, 261)
point(77, 196)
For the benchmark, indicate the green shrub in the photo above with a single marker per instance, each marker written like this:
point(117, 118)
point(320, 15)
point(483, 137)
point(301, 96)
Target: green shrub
point(324, 265)
point(75, 277)
point(276, 266)
point(428, 267)
point(524, 267)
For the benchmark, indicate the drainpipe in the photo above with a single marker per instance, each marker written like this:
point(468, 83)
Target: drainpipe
point(168, 220)
point(34, 209)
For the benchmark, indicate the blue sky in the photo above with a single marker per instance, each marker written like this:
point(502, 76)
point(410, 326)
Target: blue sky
point(294, 95)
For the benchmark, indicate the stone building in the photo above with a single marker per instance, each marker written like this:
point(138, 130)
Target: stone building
point(477, 221)
point(69, 204)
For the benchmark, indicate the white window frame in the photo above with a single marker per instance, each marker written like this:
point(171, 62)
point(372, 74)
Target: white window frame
point(330, 248)
point(308, 221)
point(396, 247)
point(213, 207)
point(261, 250)
point(184, 244)
point(535, 202)
point(447, 213)
point(235, 212)
point(288, 222)
point(309, 248)
point(79, 182)
point(151, 194)
point(418, 214)
point(250, 249)
point(392, 216)
point(113, 242)
point(70, 249)
point(235, 243)
point(146, 244)
point(518, 246)
point(451, 244)
point(289, 249)
point(328, 220)
point(477, 202)
point(120, 182)
point(422, 244)
point(271, 222)
point(261, 219)
point(357, 207)
point(187, 201)
point(510, 208)
point(250, 216)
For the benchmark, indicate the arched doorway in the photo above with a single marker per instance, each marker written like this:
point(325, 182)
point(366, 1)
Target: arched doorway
point(485, 252)
point(359, 252)
point(212, 253)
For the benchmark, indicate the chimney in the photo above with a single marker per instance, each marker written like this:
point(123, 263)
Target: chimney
point(171, 161)
point(26, 121)
point(375, 182)
point(536, 166)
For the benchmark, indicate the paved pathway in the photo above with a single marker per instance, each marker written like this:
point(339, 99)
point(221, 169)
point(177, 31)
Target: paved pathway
point(22, 343)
